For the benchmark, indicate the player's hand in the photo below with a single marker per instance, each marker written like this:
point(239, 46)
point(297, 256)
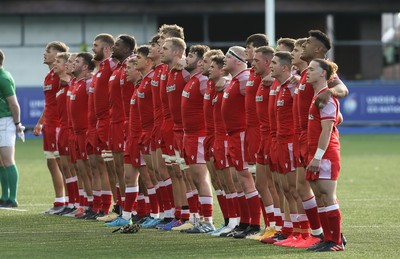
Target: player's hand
point(294, 79)
point(38, 129)
point(65, 79)
point(267, 80)
point(219, 86)
point(323, 99)
point(314, 165)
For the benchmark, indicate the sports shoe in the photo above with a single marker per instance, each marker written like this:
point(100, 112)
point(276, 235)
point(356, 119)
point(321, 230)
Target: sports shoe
point(128, 229)
point(72, 213)
point(152, 223)
point(256, 236)
point(344, 239)
point(9, 204)
point(118, 222)
point(108, 218)
point(331, 246)
point(270, 240)
point(135, 219)
point(290, 241)
point(143, 220)
point(217, 230)
point(53, 210)
point(269, 232)
point(250, 230)
point(201, 228)
point(236, 230)
point(80, 212)
point(317, 245)
point(173, 224)
point(187, 225)
point(89, 214)
point(66, 210)
point(224, 231)
point(308, 242)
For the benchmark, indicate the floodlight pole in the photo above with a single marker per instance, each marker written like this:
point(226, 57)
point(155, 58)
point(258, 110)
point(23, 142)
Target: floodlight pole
point(270, 21)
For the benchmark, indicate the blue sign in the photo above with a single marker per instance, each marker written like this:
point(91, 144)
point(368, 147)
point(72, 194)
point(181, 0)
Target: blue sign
point(376, 103)
point(31, 101)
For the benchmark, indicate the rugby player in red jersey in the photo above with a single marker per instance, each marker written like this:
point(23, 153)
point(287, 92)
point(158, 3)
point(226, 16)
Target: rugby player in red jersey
point(324, 151)
point(252, 136)
point(233, 114)
point(49, 122)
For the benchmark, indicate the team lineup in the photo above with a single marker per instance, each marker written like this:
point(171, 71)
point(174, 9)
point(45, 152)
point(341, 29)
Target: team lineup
point(137, 137)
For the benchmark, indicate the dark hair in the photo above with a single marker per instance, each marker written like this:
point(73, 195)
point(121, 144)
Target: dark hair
point(321, 37)
point(328, 66)
point(285, 58)
point(154, 39)
point(287, 42)
point(57, 45)
point(129, 41)
point(144, 50)
point(199, 50)
point(258, 40)
point(87, 59)
point(106, 38)
point(172, 30)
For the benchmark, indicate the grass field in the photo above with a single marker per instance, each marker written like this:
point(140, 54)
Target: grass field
point(369, 193)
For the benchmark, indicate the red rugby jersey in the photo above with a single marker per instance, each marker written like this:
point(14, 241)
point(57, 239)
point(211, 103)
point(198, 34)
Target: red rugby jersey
point(61, 97)
point(79, 105)
point(192, 105)
point(208, 108)
point(50, 87)
point(116, 103)
point(296, 114)
point(145, 102)
point(163, 93)
point(127, 89)
point(274, 89)
point(135, 126)
point(262, 108)
point(250, 104)
point(219, 125)
point(68, 101)
point(101, 91)
point(315, 117)
point(284, 112)
point(156, 93)
point(233, 107)
point(92, 119)
point(177, 80)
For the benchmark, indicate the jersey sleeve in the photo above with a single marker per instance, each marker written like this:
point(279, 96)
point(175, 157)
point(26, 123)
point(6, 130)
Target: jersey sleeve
point(329, 111)
point(203, 85)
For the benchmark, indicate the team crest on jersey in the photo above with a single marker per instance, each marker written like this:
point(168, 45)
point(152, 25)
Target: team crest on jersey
point(98, 74)
point(214, 100)
point(226, 95)
point(91, 90)
point(310, 117)
point(206, 96)
point(133, 101)
point(259, 98)
point(154, 83)
point(72, 97)
point(250, 83)
point(145, 84)
point(171, 88)
point(121, 82)
point(296, 91)
point(59, 92)
point(272, 92)
point(185, 94)
point(140, 95)
point(190, 87)
point(69, 93)
point(278, 88)
point(280, 102)
point(47, 87)
point(112, 78)
point(163, 77)
point(302, 87)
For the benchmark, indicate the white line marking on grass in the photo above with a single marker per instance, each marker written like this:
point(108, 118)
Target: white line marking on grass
point(373, 226)
point(13, 209)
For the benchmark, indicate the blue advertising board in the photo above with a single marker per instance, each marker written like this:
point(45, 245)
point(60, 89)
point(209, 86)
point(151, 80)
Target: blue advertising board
point(31, 101)
point(371, 103)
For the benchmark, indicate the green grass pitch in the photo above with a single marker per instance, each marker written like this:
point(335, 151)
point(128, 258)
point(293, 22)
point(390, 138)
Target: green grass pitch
point(368, 191)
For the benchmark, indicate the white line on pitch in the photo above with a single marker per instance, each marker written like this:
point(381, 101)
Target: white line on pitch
point(13, 209)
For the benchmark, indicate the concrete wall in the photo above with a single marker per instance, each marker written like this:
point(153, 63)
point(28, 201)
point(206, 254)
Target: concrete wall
point(23, 38)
